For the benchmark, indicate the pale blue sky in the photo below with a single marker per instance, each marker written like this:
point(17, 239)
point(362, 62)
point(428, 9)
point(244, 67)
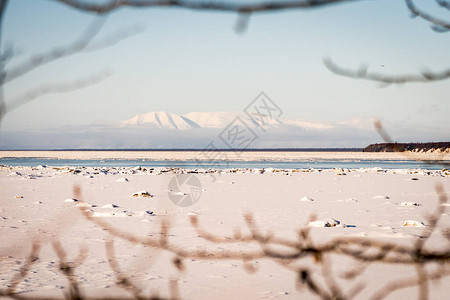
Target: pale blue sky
point(194, 61)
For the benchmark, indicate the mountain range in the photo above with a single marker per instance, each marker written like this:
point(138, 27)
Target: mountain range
point(199, 130)
point(221, 119)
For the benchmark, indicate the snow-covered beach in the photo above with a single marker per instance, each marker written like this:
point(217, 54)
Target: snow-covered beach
point(174, 150)
point(39, 204)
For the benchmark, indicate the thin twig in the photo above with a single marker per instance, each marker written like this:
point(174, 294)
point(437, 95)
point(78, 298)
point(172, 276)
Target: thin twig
point(419, 13)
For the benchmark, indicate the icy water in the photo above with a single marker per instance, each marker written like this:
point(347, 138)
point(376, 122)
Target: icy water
point(192, 164)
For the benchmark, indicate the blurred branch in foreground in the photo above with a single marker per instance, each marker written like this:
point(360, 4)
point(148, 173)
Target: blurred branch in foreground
point(438, 25)
point(245, 7)
point(55, 88)
point(237, 6)
point(362, 73)
point(311, 262)
point(82, 44)
point(444, 3)
point(288, 253)
point(37, 60)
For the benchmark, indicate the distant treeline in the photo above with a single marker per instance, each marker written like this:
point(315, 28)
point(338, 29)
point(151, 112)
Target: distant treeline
point(417, 147)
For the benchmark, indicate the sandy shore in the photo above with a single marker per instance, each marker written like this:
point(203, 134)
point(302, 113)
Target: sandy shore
point(37, 203)
point(235, 156)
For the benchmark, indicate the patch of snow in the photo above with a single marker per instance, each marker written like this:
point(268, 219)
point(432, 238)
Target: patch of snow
point(380, 197)
point(306, 199)
point(347, 200)
point(71, 200)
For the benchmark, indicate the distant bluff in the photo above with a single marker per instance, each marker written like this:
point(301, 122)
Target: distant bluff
point(413, 147)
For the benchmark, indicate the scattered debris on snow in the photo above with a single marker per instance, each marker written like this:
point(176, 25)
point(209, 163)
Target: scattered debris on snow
point(143, 193)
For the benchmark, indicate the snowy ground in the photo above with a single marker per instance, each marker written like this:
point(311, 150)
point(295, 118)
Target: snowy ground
point(38, 203)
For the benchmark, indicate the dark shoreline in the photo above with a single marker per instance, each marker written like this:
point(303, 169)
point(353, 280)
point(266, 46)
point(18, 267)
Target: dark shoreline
point(399, 147)
point(203, 149)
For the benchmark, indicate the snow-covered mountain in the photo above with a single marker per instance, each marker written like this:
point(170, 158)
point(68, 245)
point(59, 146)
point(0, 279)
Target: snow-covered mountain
point(219, 119)
point(161, 119)
point(213, 119)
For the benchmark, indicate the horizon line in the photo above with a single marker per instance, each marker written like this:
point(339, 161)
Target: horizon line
point(312, 149)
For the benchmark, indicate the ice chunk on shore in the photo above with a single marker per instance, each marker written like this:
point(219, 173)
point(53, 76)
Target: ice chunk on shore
point(110, 206)
point(325, 223)
point(143, 193)
point(306, 199)
point(347, 200)
point(409, 204)
point(413, 223)
point(122, 179)
point(71, 200)
point(380, 197)
point(110, 214)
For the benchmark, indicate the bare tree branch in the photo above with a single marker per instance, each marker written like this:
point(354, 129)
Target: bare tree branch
point(2, 63)
point(83, 44)
point(242, 22)
point(444, 3)
point(435, 21)
point(54, 88)
point(3, 4)
point(68, 268)
point(123, 280)
point(38, 60)
point(239, 7)
point(405, 283)
point(290, 256)
point(18, 277)
point(362, 73)
point(359, 248)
